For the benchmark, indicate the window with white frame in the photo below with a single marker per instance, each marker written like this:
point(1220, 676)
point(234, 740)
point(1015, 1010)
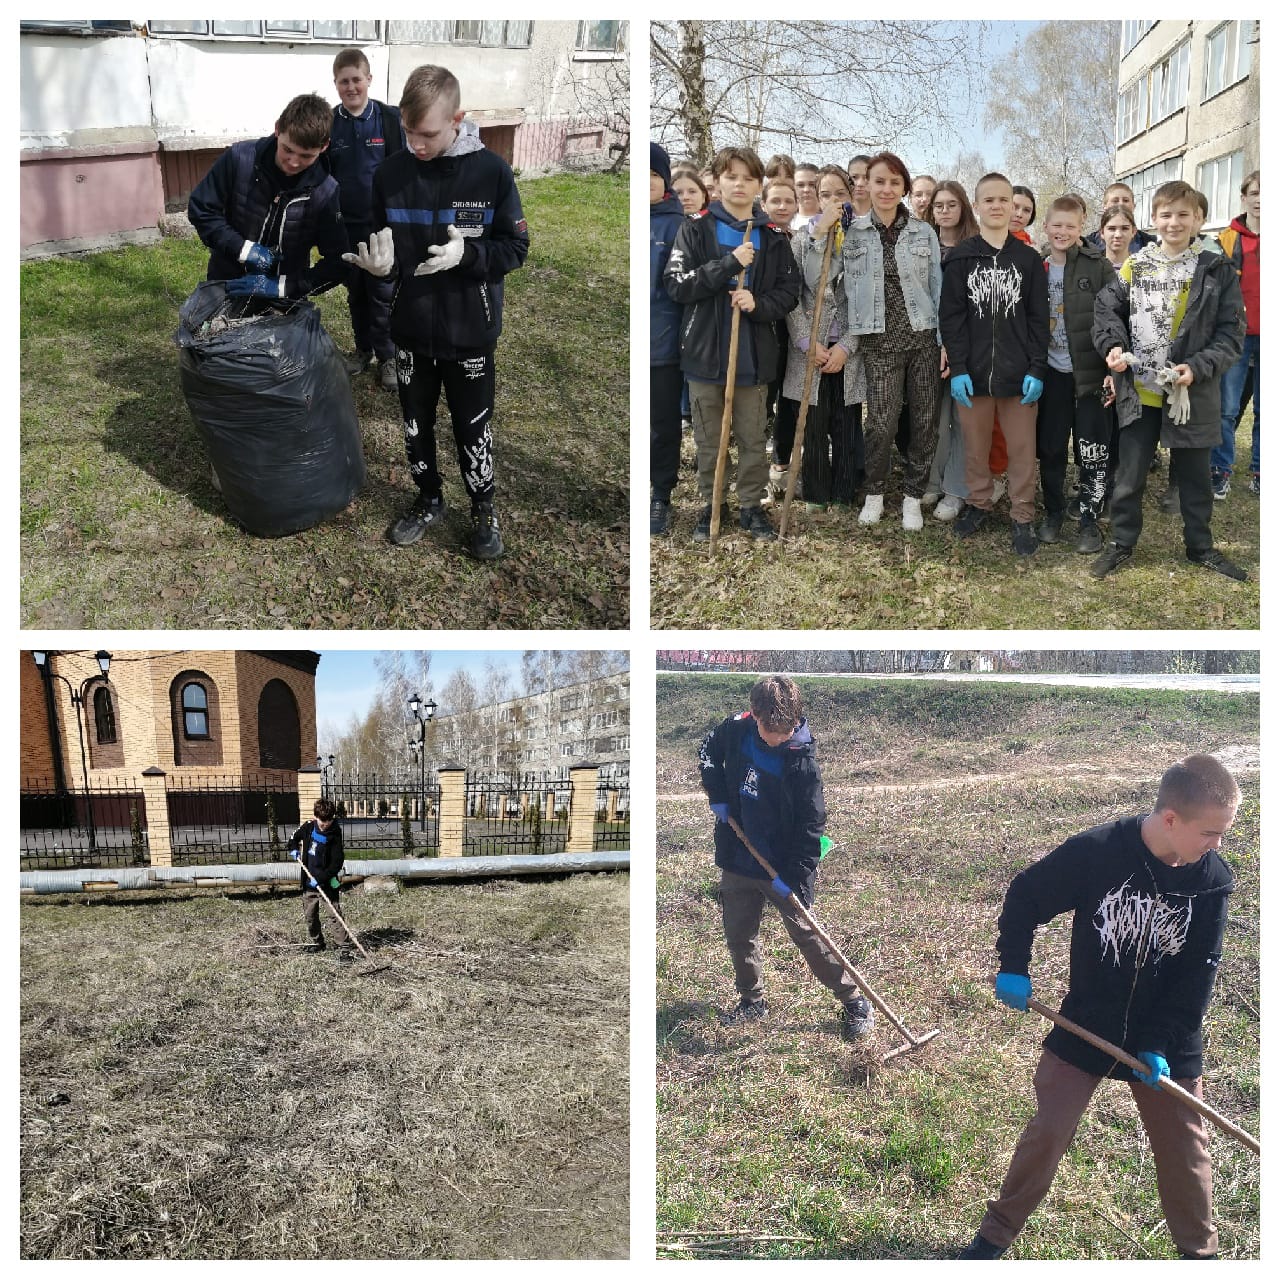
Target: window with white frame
point(601, 37)
point(1144, 183)
point(1131, 112)
point(1228, 56)
point(1169, 83)
point(357, 30)
point(1220, 181)
point(1132, 30)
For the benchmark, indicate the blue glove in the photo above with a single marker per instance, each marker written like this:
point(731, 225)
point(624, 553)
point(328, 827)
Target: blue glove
point(256, 287)
point(293, 853)
point(1156, 1067)
point(962, 390)
point(721, 811)
point(1013, 989)
point(311, 884)
point(258, 256)
point(1031, 389)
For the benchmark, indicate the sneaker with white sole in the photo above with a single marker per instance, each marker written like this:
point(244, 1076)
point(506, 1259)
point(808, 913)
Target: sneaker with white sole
point(911, 517)
point(949, 508)
point(872, 509)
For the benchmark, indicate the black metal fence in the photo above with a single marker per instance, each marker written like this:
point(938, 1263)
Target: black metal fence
point(234, 818)
point(613, 815)
point(510, 813)
point(70, 827)
point(372, 812)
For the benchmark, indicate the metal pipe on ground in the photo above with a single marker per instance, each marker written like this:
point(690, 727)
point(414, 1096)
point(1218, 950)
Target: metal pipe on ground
point(124, 879)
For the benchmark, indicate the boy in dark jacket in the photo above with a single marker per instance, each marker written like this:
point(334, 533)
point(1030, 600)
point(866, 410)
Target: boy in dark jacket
point(994, 321)
point(365, 131)
point(317, 846)
point(452, 229)
point(702, 275)
point(1121, 193)
point(265, 204)
point(1150, 901)
point(1073, 388)
point(666, 217)
point(759, 768)
point(1174, 311)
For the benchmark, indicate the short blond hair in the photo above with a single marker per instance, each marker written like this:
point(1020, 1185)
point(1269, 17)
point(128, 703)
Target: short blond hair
point(424, 87)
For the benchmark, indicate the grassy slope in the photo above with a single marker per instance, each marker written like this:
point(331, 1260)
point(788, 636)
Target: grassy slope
point(841, 574)
point(784, 1129)
point(121, 525)
point(473, 1098)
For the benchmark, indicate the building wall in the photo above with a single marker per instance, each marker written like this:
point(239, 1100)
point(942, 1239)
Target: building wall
point(253, 671)
point(1200, 131)
point(35, 751)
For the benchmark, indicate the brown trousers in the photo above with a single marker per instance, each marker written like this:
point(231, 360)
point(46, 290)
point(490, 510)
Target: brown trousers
point(1179, 1144)
point(315, 912)
point(1018, 421)
point(750, 426)
point(742, 902)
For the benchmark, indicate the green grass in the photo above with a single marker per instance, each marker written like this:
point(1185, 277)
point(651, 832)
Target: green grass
point(121, 526)
point(194, 1085)
point(783, 1129)
point(838, 573)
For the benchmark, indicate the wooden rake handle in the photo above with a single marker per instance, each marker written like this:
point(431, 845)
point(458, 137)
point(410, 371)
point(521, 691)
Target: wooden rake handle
point(810, 364)
point(807, 917)
point(726, 418)
point(1168, 1085)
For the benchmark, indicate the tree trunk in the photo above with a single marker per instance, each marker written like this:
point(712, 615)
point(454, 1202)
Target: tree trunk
point(693, 93)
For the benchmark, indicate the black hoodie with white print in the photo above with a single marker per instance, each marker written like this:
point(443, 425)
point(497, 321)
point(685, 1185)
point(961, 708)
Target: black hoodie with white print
point(1145, 944)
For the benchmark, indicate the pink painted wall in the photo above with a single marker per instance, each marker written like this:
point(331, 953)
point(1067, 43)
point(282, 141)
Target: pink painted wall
point(88, 194)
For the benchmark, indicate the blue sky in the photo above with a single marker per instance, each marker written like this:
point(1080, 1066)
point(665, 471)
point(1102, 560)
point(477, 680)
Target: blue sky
point(347, 683)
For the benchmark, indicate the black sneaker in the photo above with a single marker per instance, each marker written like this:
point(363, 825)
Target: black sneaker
point(358, 363)
point(1050, 526)
point(756, 523)
point(1110, 560)
point(417, 520)
point(486, 541)
point(980, 1249)
point(1025, 542)
point(969, 521)
point(1170, 503)
point(1215, 560)
point(746, 1011)
point(702, 530)
point(1088, 537)
point(387, 379)
point(344, 955)
point(859, 1017)
point(1221, 485)
point(659, 518)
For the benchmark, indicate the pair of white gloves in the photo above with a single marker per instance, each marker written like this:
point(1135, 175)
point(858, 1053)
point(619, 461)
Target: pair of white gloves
point(377, 254)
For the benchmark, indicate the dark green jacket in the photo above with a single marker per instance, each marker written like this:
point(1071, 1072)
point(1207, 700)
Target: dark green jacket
point(1087, 273)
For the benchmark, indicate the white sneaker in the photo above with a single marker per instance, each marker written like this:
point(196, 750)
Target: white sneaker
point(872, 509)
point(911, 517)
point(999, 487)
point(949, 508)
point(930, 498)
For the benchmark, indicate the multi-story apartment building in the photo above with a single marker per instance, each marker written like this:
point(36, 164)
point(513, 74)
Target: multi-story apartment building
point(1189, 108)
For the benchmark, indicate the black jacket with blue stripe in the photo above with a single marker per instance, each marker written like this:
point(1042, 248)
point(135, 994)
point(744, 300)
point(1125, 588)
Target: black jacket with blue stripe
point(774, 794)
point(454, 314)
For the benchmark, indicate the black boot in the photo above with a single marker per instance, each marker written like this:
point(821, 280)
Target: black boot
point(980, 1249)
point(486, 541)
point(756, 523)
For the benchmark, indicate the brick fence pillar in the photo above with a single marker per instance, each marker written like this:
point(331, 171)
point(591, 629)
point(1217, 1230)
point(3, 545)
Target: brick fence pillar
point(156, 800)
point(310, 788)
point(583, 779)
point(453, 810)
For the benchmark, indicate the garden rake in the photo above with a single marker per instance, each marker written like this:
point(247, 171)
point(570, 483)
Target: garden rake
point(913, 1042)
point(811, 360)
point(1169, 1086)
point(337, 915)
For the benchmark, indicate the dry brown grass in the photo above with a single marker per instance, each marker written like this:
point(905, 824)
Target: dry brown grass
point(231, 1096)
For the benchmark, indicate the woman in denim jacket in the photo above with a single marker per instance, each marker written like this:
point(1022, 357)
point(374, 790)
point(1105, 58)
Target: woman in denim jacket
point(892, 280)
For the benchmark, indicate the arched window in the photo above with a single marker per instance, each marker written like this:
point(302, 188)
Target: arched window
point(279, 730)
point(104, 716)
point(195, 711)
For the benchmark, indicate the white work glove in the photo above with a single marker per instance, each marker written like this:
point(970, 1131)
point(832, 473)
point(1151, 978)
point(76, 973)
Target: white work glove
point(377, 256)
point(441, 257)
point(1178, 397)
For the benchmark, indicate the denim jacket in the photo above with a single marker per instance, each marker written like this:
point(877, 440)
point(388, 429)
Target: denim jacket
point(919, 270)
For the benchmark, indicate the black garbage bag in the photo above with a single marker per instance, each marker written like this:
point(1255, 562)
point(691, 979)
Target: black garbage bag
point(272, 402)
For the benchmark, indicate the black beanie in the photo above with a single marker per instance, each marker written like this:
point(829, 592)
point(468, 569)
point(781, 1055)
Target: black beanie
point(660, 163)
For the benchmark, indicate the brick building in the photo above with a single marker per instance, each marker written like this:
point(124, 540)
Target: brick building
point(191, 712)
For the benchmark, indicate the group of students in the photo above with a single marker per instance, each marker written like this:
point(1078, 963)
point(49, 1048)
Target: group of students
point(945, 331)
point(1145, 989)
point(420, 221)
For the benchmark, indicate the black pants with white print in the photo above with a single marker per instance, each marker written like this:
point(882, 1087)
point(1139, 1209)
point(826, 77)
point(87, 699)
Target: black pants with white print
point(468, 390)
